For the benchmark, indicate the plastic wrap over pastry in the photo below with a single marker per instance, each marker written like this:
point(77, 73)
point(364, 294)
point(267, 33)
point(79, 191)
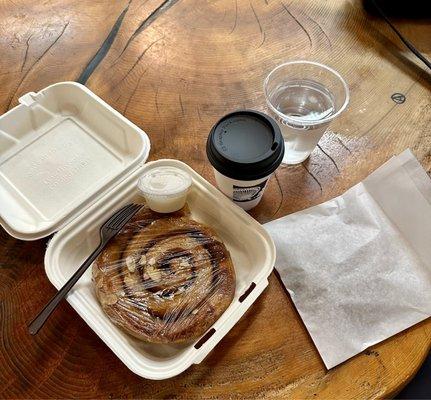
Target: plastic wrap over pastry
point(164, 278)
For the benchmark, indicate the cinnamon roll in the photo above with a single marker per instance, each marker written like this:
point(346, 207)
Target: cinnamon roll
point(164, 278)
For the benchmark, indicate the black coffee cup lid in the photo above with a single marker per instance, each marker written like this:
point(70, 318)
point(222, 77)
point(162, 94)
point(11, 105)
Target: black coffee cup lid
point(245, 145)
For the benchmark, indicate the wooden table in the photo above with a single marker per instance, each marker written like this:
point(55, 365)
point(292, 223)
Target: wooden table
point(173, 68)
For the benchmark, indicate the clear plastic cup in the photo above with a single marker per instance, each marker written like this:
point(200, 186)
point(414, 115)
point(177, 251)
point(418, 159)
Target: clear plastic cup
point(304, 96)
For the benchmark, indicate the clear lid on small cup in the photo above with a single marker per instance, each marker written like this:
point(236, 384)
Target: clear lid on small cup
point(164, 181)
point(165, 188)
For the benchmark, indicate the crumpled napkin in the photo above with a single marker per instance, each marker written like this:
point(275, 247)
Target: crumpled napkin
point(358, 267)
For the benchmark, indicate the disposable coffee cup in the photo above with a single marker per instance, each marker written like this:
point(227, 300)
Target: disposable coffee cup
point(245, 148)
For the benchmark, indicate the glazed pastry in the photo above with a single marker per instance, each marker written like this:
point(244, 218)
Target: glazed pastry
point(164, 278)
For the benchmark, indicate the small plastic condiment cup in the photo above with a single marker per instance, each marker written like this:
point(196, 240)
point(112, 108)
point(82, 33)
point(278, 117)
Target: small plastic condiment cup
point(165, 188)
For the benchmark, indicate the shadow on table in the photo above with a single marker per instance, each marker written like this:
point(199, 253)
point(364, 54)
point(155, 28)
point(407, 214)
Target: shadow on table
point(417, 9)
point(420, 385)
point(382, 40)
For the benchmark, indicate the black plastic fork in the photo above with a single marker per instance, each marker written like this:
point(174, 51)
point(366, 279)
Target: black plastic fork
point(107, 231)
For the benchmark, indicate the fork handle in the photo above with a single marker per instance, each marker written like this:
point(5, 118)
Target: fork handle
point(44, 314)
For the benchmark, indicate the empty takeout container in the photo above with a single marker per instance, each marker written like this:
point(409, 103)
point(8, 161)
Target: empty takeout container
point(67, 162)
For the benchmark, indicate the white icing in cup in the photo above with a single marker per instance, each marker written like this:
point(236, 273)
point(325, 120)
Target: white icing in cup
point(165, 188)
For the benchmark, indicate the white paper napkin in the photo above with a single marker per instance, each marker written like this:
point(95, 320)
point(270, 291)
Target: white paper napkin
point(358, 267)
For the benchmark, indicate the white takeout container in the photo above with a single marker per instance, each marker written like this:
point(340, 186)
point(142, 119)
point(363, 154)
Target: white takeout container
point(67, 162)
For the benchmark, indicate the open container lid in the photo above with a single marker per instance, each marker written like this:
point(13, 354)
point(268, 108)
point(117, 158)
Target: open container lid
point(61, 150)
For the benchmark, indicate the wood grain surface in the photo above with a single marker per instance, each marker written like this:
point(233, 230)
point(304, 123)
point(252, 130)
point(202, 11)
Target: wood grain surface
point(174, 67)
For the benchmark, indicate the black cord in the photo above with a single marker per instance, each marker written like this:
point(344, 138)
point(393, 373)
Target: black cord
point(413, 49)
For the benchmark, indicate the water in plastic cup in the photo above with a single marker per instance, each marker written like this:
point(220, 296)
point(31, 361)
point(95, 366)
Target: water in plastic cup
point(303, 97)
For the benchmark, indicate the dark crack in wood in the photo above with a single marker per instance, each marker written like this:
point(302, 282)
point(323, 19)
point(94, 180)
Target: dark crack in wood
point(199, 113)
point(133, 93)
point(35, 63)
point(146, 23)
point(103, 50)
point(300, 25)
point(314, 178)
point(156, 100)
point(27, 44)
point(224, 14)
point(140, 58)
point(180, 99)
point(236, 17)
point(327, 155)
point(165, 146)
point(262, 33)
point(281, 194)
point(342, 144)
point(320, 28)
